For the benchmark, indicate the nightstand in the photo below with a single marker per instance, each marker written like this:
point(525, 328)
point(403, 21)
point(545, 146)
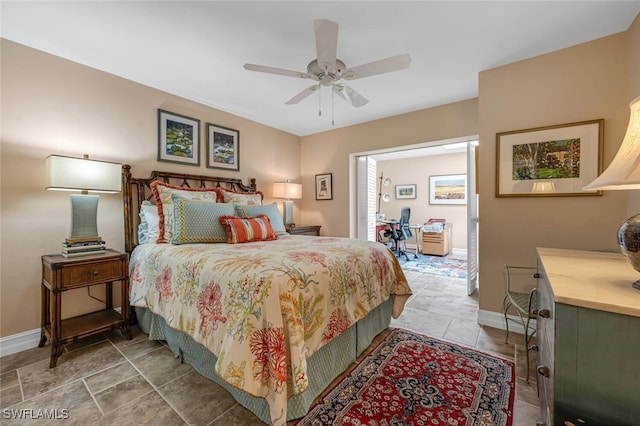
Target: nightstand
point(304, 230)
point(60, 274)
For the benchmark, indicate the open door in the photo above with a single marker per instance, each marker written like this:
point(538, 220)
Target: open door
point(472, 221)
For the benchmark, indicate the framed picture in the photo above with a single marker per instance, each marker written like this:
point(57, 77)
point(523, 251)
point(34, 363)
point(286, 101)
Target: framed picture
point(223, 148)
point(405, 191)
point(549, 161)
point(324, 187)
point(448, 189)
point(178, 138)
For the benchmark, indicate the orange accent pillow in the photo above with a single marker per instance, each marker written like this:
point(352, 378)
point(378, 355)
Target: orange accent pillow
point(246, 230)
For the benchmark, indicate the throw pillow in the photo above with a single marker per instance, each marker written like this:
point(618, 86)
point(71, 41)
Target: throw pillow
point(162, 192)
point(242, 198)
point(245, 230)
point(196, 221)
point(270, 210)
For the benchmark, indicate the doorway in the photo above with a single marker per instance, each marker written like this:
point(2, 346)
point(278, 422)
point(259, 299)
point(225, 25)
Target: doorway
point(382, 179)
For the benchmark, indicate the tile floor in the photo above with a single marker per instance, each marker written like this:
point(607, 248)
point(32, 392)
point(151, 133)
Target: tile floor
point(108, 380)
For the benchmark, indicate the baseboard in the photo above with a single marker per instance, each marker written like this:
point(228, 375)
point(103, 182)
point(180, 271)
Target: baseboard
point(22, 341)
point(496, 320)
point(19, 342)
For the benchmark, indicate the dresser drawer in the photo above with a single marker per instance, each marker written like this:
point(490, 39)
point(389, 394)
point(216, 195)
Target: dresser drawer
point(92, 272)
point(433, 237)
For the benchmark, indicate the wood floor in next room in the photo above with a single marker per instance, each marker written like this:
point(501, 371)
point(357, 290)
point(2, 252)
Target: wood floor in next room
point(109, 380)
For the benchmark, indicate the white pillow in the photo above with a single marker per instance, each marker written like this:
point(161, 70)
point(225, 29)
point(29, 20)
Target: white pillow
point(148, 230)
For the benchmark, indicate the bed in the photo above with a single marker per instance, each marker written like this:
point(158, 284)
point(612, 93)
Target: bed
point(271, 317)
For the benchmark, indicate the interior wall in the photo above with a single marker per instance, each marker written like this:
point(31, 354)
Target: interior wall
point(329, 152)
point(417, 171)
point(584, 82)
point(55, 106)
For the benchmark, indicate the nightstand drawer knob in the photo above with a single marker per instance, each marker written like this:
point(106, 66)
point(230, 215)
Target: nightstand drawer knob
point(94, 273)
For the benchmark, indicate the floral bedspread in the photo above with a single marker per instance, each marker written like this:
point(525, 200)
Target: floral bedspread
point(264, 307)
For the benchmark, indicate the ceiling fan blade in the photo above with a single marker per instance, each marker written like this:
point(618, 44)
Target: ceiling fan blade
point(279, 71)
point(350, 95)
point(393, 63)
point(326, 43)
point(302, 95)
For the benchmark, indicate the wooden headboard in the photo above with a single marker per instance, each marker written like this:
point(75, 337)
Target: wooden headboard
point(136, 190)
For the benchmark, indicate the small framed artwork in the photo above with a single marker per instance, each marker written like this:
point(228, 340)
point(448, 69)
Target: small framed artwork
point(324, 187)
point(405, 191)
point(448, 189)
point(552, 161)
point(178, 138)
point(223, 148)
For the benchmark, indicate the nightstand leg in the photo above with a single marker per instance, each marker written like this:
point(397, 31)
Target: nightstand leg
point(43, 339)
point(56, 351)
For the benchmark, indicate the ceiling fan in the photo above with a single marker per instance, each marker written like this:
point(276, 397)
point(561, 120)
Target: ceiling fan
point(327, 70)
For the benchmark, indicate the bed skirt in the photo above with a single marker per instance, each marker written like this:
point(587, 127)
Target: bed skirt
point(323, 366)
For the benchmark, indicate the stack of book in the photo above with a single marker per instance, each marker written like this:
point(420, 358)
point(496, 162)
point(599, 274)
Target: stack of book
point(73, 247)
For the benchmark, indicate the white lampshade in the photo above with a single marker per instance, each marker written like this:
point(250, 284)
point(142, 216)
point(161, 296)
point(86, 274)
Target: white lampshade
point(287, 190)
point(83, 174)
point(624, 170)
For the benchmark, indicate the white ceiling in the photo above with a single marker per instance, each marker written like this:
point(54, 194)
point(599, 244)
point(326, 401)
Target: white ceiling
point(197, 49)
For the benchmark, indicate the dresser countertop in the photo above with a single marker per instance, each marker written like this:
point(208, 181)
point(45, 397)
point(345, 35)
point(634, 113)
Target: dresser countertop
point(589, 279)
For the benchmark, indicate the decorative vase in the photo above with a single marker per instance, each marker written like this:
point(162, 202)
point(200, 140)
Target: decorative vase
point(629, 240)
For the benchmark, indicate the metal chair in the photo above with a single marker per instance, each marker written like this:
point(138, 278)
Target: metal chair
point(524, 303)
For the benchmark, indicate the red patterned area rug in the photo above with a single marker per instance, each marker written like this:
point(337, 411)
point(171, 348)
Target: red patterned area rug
point(411, 379)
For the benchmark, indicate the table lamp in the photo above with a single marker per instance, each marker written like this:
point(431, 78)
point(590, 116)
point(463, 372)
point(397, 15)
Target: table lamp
point(289, 191)
point(85, 175)
point(624, 173)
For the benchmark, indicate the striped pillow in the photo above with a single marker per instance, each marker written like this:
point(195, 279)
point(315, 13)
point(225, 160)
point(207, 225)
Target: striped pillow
point(270, 210)
point(246, 230)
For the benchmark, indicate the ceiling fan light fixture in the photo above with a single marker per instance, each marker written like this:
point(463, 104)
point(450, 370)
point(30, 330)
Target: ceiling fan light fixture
point(327, 70)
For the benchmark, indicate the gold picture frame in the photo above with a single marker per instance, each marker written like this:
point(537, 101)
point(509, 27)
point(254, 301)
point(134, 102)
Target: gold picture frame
point(551, 161)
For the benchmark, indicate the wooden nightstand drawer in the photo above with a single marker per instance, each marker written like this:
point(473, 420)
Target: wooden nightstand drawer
point(304, 230)
point(83, 274)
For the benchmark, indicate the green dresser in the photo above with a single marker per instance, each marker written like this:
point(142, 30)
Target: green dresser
point(588, 329)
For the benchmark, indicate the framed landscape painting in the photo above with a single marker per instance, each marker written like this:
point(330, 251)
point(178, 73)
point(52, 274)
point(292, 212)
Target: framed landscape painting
point(223, 148)
point(405, 191)
point(178, 138)
point(448, 189)
point(549, 161)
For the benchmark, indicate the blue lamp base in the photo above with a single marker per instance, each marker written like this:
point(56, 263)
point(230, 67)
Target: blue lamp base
point(84, 214)
point(629, 239)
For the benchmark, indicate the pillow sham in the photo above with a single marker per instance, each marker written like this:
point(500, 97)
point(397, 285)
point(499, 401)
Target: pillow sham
point(271, 210)
point(196, 221)
point(246, 230)
point(242, 198)
point(148, 229)
point(163, 191)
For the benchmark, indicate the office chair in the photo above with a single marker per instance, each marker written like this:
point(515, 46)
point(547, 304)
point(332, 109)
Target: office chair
point(400, 232)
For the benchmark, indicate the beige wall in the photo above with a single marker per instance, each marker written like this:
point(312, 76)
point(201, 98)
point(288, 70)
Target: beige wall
point(584, 82)
point(329, 152)
point(54, 106)
point(417, 171)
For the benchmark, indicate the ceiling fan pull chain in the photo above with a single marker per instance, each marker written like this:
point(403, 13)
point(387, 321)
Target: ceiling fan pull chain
point(319, 101)
point(332, 107)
